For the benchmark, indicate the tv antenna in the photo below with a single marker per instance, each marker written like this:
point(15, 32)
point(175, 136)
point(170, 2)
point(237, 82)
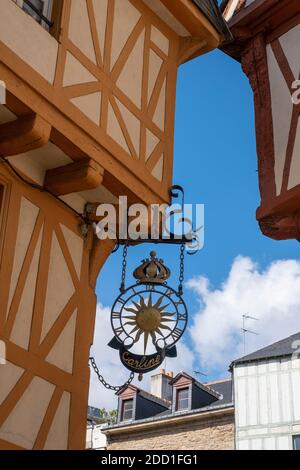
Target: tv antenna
point(246, 330)
point(197, 372)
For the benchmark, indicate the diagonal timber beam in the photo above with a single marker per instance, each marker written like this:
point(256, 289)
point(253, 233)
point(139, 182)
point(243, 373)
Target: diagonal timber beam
point(26, 133)
point(78, 176)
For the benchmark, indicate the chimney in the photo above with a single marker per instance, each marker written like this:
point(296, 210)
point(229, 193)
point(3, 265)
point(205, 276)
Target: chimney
point(160, 385)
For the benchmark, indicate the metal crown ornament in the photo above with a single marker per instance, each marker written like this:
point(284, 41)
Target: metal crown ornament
point(152, 270)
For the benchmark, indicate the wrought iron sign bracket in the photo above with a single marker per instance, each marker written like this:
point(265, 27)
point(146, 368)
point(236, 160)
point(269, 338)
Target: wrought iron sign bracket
point(172, 239)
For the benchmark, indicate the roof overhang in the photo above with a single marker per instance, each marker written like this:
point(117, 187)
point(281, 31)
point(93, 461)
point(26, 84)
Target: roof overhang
point(204, 23)
point(212, 11)
point(245, 362)
point(260, 15)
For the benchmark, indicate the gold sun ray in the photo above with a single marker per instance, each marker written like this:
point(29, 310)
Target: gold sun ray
point(159, 301)
point(153, 336)
point(142, 302)
point(130, 323)
point(159, 332)
point(168, 314)
point(164, 327)
point(161, 309)
point(137, 306)
point(138, 335)
point(150, 301)
point(136, 328)
point(132, 310)
point(146, 337)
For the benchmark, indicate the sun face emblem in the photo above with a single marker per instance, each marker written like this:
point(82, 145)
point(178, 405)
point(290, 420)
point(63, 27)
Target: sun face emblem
point(149, 319)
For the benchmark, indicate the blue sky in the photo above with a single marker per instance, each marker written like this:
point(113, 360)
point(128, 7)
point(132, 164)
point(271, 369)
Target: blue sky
point(215, 161)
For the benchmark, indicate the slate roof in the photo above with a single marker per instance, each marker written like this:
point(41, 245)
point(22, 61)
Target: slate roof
point(212, 12)
point(200, 385)
point(149, 396)
point(94, 414)
point(281, 348)
point(224, 388)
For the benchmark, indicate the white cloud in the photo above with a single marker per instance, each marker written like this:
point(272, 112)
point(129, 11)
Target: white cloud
point(272, 295)
point(110, 367)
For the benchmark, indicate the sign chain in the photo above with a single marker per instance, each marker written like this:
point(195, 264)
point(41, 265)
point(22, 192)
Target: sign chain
point(124, 266)
point(181, 275)
point(103, 381)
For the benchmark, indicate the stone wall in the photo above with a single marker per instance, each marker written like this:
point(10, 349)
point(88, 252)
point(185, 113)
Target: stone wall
point(215, 433)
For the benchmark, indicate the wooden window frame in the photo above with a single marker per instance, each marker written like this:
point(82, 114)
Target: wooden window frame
point(178, 399)
point(124, 403)
point(52, 11)
point(56, 17)
point(47, 11)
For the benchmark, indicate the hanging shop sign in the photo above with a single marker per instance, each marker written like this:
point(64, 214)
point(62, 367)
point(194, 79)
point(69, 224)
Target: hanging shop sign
point(149, 317)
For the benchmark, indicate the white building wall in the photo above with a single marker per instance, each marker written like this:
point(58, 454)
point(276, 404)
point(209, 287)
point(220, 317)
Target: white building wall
point(267, 404)
point(283, 106)
point(95, 439)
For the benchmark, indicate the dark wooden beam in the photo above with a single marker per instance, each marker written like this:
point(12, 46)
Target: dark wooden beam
point(24, 134)
point(74, 177)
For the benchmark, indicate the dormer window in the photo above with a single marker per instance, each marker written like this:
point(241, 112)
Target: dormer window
point(182, 399)
point(127, 410)
point(40, 10)
point(189, 394)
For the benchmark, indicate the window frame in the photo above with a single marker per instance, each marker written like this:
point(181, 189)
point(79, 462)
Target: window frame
point(296, 437)
point(178, 399)
point(123, 411)
point(47, 12)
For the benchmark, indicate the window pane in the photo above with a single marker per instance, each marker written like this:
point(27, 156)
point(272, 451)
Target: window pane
point(39, 4)
point(183, 404)
point(36, 8)
point(182, 399)
point(127, 410)
point(297, 442)
point(183, 394)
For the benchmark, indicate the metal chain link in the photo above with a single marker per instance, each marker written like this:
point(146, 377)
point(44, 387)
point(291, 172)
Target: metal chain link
point(103, 381)
point(124, 266)
point(181, 275)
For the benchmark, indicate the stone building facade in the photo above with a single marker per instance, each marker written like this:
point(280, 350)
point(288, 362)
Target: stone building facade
point(203, 431)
